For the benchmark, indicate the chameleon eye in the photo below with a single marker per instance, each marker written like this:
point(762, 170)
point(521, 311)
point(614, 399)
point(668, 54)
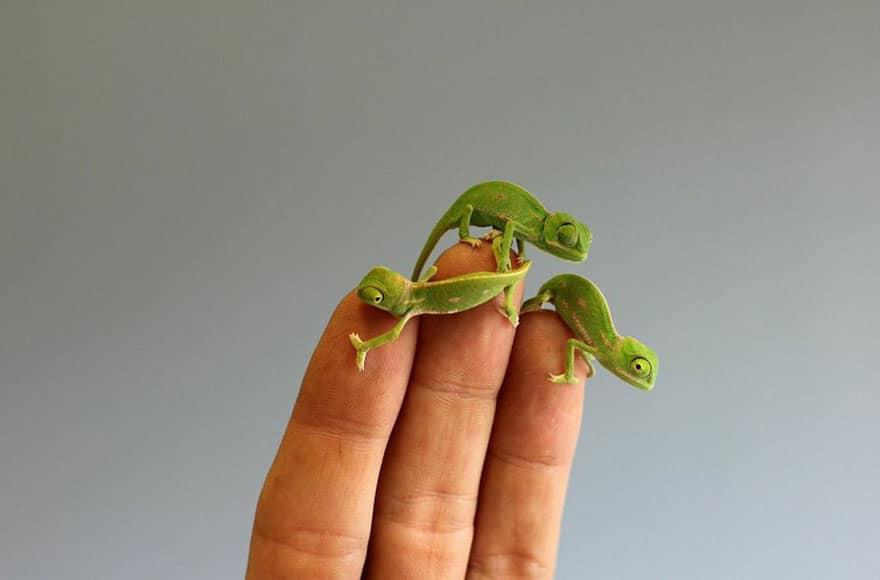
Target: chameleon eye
point(371, 294)
point(640, 367)
point(567, 235)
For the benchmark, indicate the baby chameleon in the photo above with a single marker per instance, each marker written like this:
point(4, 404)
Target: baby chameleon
point(391, 291)
point(584, 309)
point(515, 213)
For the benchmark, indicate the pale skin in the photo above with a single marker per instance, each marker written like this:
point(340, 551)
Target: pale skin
point(583, 307)
point(383, 288)
point(447, 457)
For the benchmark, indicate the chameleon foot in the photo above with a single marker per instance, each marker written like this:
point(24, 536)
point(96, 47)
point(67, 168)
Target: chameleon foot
point(502, 258)
point(510, 315)
point(472, 242)
point(358, 344)
point(493, 233)
point(563, 379)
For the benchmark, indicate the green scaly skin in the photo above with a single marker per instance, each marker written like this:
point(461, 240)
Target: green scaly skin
point(584, 309)
point(392, 292)
point(516, 214)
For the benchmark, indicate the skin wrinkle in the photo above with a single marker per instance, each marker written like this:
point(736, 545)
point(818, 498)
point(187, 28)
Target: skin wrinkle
point(547, 461)
point(508, 565)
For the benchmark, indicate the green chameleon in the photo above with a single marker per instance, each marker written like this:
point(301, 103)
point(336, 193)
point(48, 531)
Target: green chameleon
point(391, 291)
point(584, 309)
point(515, 213)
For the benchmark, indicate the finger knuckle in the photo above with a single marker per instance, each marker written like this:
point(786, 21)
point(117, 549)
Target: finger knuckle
point(511, 564)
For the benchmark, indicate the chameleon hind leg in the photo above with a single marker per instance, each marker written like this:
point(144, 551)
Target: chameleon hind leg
point(509, 308)
point(586, 352)
point(362, 347)
point(464, 227)
point(511, 228)
point(520, 251)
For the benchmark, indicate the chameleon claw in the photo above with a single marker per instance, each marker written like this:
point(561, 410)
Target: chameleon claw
point(361, 356)
point(472, 242)
point(562, 379)
point(512, 316)
point(493, 233)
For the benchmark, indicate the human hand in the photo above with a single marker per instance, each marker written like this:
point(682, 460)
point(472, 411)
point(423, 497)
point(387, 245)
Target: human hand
point(448, 457)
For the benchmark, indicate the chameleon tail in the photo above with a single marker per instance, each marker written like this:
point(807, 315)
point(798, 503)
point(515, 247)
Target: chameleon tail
point(543, 296)
point(443, 226)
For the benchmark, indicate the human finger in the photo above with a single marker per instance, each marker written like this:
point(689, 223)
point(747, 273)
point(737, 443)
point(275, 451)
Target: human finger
point(529, 457)
point(427, 492)
point(314, 514)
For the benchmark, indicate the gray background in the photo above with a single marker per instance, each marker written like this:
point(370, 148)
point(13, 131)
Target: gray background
point(189, 187)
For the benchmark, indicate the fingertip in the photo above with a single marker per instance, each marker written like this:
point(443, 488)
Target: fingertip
point(541, 345)
point(461, 259)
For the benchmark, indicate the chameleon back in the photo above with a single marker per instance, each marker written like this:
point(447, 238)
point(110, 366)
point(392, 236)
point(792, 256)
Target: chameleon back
point(464, 292)
point(509, 200)
point(583, 307)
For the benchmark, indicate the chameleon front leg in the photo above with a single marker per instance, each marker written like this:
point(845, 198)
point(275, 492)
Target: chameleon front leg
point(585, 351)
point(502, 253)
point(363, 347)
point(464, 227)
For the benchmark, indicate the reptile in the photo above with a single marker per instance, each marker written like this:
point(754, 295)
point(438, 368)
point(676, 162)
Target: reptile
point(580, 303)
point(515, 214)
point(393, 292)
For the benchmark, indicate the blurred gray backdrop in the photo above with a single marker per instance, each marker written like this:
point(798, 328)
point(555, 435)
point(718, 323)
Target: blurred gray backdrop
point(189, 187)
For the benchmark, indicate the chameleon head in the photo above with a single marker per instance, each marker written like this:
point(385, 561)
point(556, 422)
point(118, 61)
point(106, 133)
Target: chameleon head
point(384, 288)
point(566, 238)
point(635, 363)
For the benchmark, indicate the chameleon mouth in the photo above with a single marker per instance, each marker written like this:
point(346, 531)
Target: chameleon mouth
point(638, 382)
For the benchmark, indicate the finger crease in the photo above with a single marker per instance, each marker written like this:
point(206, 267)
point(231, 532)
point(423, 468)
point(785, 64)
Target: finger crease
point(457, 387)
point(533, 462)
point(437, 512)
point(358, 434)
point(434, 527)
point(507, 564)
point(327, 544)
